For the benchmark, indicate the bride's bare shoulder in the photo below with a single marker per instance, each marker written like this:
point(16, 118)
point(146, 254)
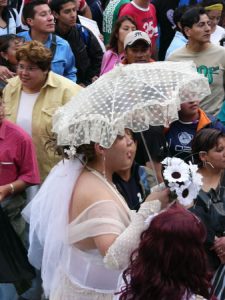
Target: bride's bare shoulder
point(87, 183)
point(88, 189)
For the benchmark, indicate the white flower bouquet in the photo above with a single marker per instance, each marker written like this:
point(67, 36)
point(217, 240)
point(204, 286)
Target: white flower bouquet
point(183, 179)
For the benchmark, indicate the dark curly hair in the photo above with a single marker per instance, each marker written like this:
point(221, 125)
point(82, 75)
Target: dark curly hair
point(170, 261)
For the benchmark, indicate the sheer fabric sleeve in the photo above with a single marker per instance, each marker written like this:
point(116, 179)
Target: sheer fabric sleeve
point(118, 254)
point(102, 217)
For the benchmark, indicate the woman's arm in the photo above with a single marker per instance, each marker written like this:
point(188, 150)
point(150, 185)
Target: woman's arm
point(118, 253)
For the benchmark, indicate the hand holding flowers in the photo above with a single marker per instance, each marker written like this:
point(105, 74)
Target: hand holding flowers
point(182, 179)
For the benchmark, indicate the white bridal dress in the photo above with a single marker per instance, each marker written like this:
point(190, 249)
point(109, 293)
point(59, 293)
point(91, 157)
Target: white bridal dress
point(69, 273)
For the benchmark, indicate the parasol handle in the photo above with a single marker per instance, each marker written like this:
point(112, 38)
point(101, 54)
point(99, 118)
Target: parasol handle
point(150, 158)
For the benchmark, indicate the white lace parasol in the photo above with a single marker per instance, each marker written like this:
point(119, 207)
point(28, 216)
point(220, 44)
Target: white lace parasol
point(133, 96)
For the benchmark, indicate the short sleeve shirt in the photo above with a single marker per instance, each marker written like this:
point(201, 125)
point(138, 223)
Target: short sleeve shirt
point(144, 18)
point(179, 138)
point(17, 155)
point(211, 63)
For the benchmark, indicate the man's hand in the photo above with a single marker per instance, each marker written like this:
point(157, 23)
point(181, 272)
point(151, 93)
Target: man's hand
point(5, 191)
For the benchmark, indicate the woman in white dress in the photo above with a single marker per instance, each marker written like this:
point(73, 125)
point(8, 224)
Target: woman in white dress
point(99, 230)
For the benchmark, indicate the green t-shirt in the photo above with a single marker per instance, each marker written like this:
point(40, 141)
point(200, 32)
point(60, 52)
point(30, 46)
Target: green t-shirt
point(211, 63)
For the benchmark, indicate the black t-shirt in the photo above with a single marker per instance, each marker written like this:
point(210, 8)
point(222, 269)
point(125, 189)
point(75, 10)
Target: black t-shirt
point(179, 139)
point(165, 10)
point(131, 190)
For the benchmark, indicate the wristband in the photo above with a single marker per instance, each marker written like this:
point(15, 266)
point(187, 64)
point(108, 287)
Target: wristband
point(12, 188)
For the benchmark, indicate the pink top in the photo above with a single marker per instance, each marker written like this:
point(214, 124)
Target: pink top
point(17, 155)
point(110, 59)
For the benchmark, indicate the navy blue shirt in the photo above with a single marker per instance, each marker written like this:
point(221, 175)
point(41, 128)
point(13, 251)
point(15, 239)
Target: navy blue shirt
point(135, 189)
point(179, 138)
point(180, 135)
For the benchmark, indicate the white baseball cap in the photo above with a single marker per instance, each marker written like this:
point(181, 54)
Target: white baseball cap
point(134, 36)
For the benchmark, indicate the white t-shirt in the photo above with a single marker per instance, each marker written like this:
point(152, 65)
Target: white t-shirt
point(25, 110)
point(217, 35)
point(13, 24)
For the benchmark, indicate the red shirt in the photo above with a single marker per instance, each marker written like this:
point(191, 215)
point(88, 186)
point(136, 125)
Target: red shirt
point(145, 18)
point(17, 155)
point(81, 5)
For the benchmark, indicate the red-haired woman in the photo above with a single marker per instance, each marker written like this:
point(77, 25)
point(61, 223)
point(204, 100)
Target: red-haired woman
point(170, 263)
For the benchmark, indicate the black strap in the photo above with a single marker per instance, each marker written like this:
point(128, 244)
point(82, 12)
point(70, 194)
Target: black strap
point(13, 13)
point(53, 45)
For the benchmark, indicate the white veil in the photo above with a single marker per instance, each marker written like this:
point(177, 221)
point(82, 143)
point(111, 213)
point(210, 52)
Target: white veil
point(47, 214)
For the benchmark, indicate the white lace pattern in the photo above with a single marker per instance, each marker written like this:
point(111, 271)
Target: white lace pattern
point(133, 96)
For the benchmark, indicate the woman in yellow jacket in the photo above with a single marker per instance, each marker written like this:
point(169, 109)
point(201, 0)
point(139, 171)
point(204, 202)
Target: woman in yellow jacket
point(32, 97)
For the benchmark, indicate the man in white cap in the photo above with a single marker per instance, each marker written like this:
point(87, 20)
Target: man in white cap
point(137, 47)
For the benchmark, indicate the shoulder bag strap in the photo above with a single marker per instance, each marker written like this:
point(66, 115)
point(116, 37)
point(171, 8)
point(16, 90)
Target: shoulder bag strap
point(53, 45)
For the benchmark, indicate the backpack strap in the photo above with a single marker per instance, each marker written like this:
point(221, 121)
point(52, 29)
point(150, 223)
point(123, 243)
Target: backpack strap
point(84, 33)
point(53, 45)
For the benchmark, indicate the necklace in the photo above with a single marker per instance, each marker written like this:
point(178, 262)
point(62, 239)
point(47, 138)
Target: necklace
point(102, 177)
point(110, 184)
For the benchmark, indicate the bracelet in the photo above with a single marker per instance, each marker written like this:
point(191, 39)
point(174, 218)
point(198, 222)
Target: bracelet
point(12, 188)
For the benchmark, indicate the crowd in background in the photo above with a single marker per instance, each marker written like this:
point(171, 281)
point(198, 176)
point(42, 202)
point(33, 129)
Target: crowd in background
point(47, 56)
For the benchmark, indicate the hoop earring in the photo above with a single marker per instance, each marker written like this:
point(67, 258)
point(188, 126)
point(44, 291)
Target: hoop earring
point(209, 163)
point(104, 172)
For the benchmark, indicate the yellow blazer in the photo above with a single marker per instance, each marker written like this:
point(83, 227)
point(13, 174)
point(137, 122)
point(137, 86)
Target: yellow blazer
point(56, 91)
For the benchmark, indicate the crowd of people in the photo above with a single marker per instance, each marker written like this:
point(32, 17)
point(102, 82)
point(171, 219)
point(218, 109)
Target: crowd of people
point(92, 222)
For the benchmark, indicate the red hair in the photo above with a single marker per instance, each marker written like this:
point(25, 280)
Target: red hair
point(170, 260)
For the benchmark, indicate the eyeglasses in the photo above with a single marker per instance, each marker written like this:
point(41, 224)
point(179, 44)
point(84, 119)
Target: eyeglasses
point(28, 69)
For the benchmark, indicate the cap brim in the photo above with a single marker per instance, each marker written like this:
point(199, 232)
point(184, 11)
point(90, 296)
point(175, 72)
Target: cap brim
point(143, 40)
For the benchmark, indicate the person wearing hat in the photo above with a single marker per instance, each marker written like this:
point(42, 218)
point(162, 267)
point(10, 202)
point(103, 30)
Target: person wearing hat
point(137, 47)
point(144, 14)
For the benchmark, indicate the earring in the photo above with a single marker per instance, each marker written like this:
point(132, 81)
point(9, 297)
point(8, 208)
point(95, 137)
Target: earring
point(205, 163)
point(209, 163)
point(103, 172)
